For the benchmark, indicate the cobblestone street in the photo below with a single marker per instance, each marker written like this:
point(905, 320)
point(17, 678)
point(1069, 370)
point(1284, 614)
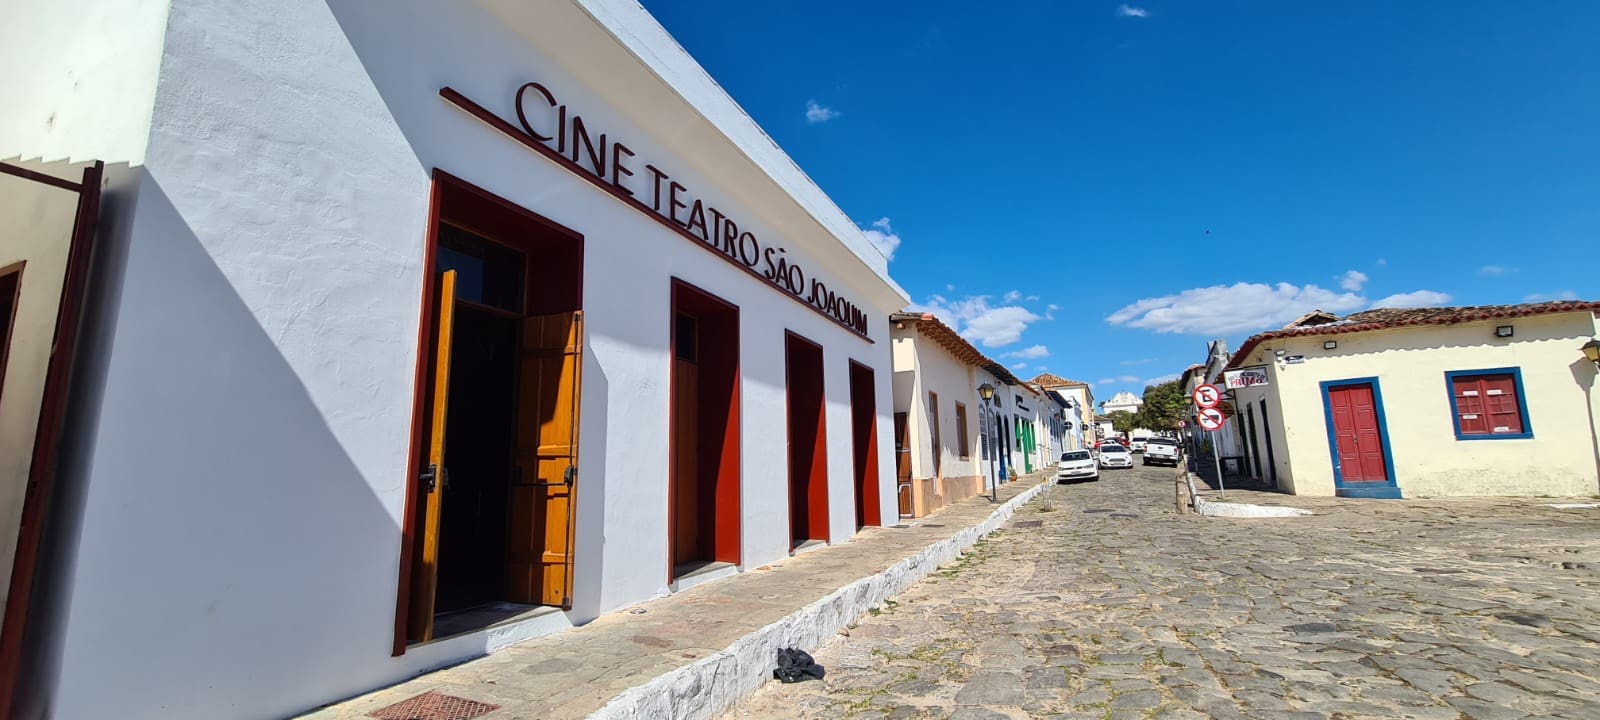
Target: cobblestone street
point(1098, 601)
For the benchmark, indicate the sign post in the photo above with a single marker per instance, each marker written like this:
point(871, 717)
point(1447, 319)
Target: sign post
point(1212, 420)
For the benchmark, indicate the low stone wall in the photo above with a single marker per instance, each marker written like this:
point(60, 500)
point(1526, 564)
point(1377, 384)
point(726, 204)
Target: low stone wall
point(713, 684)
point(929, 494)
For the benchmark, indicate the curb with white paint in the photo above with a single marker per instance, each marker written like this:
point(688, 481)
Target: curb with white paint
point(1207, 508)
point(713, 684)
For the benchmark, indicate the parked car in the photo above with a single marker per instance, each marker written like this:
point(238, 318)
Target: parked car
point(1114, 455)
point(1138, 444)
point(1107, 441)
point(1077, 465)
point(1161, 450)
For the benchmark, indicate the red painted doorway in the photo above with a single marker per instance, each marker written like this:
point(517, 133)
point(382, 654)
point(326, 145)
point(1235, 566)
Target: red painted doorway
point(808, 442)
point(864, 443)
point(1356, 434)
point(703, 525)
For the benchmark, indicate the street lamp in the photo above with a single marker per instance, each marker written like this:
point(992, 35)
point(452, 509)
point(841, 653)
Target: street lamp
point(986, 391)
point(1591, 350)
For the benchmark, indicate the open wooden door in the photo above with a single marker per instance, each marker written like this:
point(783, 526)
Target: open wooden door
point(539, 552)
point(425, 572)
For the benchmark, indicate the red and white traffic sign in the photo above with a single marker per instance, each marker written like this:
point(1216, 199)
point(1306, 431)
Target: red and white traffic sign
point(1212, 418)
point(1207, 396)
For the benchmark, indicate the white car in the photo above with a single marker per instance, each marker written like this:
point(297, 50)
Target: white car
point(1077, 465)
point(1113, 455)
point(1162, 450)
point(1139, 444)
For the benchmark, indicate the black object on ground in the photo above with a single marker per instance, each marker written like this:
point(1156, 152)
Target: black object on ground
point(796, 665)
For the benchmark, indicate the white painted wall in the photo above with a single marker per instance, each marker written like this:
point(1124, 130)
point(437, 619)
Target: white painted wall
point(245, 476)
point(36, 227)
point(1428, 459)
point(940, 373)
point(80, 78)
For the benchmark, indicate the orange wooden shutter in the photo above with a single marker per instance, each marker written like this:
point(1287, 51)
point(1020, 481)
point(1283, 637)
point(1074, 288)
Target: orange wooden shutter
point(539, 552)
point(425, 571)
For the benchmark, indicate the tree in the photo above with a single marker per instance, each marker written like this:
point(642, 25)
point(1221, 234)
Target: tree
point(1164, 407)
point(1122, 421)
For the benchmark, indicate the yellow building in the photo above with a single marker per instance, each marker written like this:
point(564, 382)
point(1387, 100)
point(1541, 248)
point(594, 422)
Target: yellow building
point(1491, 400)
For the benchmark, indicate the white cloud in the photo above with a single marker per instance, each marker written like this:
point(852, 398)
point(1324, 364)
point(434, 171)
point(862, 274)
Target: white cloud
point(1140, 361)
point(949, 288)
point(1546, 297)
point(1020, 366)
point(885, 239)
point(1496, 270)
point(1031, 353)
point(976, 320)
point(1353, 280)
point(1105, 381)
point(1052, 307)
point(1226, 309)
point(1131, 11)
point(1420, 298)
point(1127, 378)
point(1381, 262)
point(1033, 298)
point(1161, 379)
point(1011, 297)
point(816, 113)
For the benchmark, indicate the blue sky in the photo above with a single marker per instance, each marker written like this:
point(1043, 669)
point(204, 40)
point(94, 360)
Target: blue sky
point(1047, 174)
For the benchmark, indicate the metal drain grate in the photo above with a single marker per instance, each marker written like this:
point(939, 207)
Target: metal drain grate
point(434, 706)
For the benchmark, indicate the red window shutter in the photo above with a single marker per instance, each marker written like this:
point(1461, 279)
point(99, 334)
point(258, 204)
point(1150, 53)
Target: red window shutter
point(1500, 398)
point(1471, 415)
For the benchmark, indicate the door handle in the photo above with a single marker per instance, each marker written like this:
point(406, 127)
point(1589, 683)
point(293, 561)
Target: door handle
point(430, 478)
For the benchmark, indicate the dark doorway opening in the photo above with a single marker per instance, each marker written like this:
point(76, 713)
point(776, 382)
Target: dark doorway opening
point(1272, 462)
point(808, 446)
point(703, 488)
point(864, 443)
point(481, 415)
point(489, 522)
point(10, 288)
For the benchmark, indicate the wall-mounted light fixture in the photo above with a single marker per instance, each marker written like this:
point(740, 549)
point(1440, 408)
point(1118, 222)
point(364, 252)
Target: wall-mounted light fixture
point(1503, 331)
point(1280, 352)
point(1591, 350)
point(1329, 344)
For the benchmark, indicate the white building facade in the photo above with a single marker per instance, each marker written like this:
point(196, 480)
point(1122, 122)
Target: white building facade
point(936, 406)
point(415, 331)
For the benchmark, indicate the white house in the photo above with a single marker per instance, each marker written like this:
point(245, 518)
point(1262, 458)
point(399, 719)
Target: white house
point(413, 330)
point(936, 406)
point(1077, 400)
point(1486, 400)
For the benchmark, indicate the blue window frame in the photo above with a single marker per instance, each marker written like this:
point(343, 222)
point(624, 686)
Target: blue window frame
point(1488, 404)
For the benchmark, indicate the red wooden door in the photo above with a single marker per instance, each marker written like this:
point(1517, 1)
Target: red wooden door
point(1355, 431)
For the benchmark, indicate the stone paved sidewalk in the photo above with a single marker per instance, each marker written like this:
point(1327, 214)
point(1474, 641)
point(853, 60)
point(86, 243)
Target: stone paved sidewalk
point(1112, 605)
point(574, 673)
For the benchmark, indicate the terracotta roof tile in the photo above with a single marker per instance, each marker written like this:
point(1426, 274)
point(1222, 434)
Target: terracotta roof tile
point(937, 331)
point(1387, 318)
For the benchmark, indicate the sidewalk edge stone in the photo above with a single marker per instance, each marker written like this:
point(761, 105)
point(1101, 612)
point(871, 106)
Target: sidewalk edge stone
point(713, 684)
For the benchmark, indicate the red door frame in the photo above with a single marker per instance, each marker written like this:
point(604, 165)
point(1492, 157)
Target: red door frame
point(804, 381)
point(52, 416)
point(441, 184)
point(864, 447)
point(722, 317)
